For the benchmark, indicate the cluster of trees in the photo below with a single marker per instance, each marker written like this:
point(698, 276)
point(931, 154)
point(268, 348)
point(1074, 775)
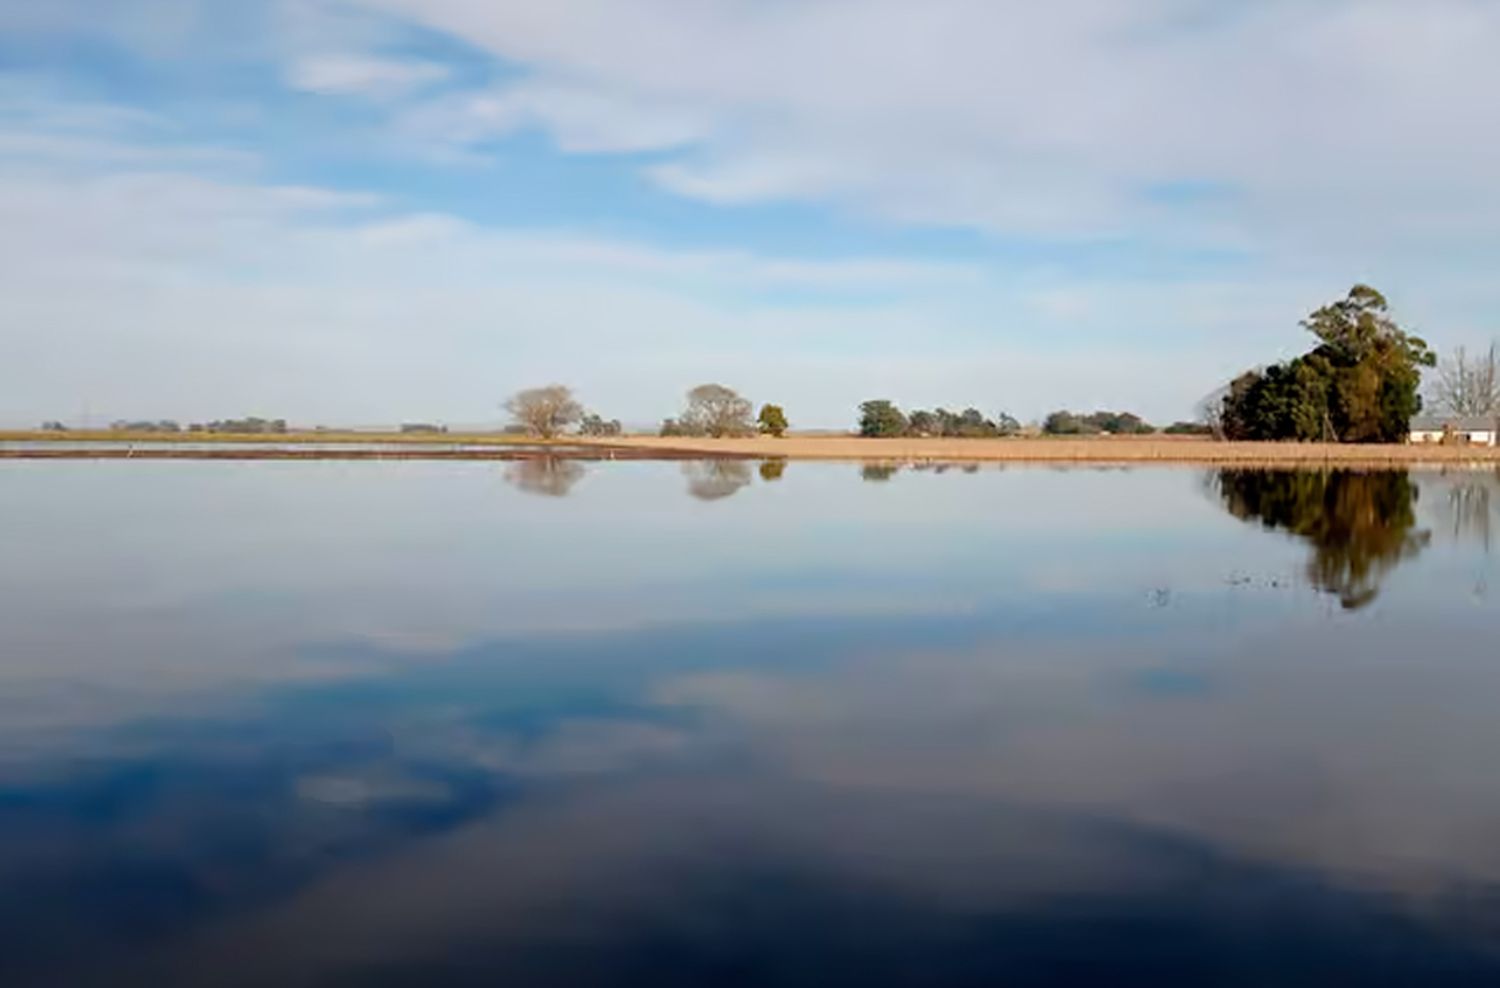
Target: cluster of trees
point(1359, 384)
point(596, 425)
point(422, 429)
point(1065, 423)
point(252, 424)
point(245, 425)
point(719, 411)
point(881, 418)
point(124, 425)
point(711, 410)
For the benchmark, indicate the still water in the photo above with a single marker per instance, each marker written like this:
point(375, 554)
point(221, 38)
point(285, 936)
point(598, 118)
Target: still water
point(555, 723)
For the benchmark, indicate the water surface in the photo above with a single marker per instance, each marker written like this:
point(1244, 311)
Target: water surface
point(725, 723)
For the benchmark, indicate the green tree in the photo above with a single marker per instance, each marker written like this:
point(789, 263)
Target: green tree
point(881, 419)
point(1361, 383)
point(593, 424)
point(1065, 423)
point(772, 420)
point(924, 423)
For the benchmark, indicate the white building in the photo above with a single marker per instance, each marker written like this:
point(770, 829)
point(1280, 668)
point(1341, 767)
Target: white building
point(1458, 430)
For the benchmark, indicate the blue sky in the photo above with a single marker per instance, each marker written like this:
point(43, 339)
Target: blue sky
point(365, 211)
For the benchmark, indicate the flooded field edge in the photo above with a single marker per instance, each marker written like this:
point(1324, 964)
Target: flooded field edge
point(897, 452)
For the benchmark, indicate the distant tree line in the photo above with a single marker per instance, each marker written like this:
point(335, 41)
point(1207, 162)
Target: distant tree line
point(1065, 423)
point(596, 425)
point(882, 418)
point(711, 410)
point(164, 425)
point(422, 429)
point(250, 425)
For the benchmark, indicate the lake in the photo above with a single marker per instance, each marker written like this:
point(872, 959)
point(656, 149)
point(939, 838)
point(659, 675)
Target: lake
point(732, 723)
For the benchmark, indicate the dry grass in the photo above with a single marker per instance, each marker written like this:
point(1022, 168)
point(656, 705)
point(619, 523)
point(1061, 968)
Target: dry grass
point(118, 436)
point(1107, 449)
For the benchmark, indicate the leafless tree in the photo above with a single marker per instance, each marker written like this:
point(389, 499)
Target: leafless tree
point(1469, 385)
point(549, 476)
point(545, 412)
point(710, 480)
point(715, 410)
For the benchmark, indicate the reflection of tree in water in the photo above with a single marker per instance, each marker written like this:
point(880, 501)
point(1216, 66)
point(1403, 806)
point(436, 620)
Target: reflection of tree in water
point(710, 480)
point(772, 469)
point(550, 476)
point(878, 471)
point(1469, 506)
point(1360, 525)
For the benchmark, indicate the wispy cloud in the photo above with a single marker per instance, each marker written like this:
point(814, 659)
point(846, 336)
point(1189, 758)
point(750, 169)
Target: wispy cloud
point(364, 75)
point(1049, 122)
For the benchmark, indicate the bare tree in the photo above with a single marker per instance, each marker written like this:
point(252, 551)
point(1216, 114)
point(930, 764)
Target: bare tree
point(545, 412)
point(715, 410)
point(549, 476)
point(1468, 385)
point(711, 480)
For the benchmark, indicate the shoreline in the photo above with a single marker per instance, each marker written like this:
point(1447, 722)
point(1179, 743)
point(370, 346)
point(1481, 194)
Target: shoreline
point(1108, 450)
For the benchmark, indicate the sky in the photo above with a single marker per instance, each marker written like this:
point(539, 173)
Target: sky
point(355, 212)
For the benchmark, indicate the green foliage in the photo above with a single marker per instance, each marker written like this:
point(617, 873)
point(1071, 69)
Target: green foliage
point(595, 425)
point(1065, 423)
point(1189, 429)
point(1360, 384)
point(881, 419)
point(165, 425)
point(251, 425)
point(772, 469)
point(772, 420)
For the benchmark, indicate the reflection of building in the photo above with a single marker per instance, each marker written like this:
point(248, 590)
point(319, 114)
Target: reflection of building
point(1461, 430)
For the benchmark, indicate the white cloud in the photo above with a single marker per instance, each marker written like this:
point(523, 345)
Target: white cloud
point(143, 276)
point(171, 293)
point(580, 119)
point(1346, 121)
point(364, 75)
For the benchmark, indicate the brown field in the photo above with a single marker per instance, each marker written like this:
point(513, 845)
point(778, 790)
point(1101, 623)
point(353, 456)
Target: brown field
point(330, 436)
point(1106, 449)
